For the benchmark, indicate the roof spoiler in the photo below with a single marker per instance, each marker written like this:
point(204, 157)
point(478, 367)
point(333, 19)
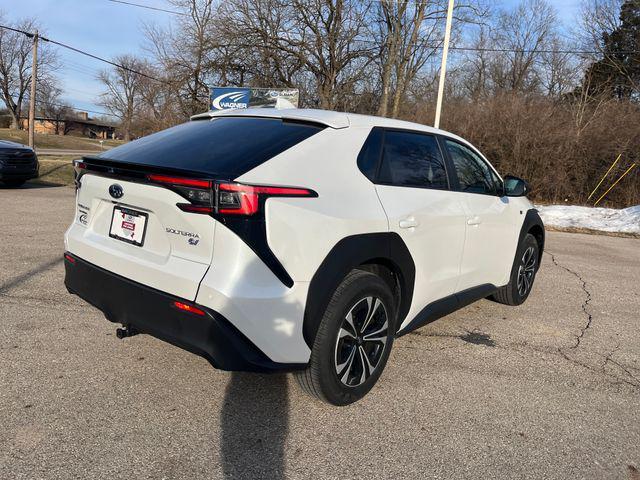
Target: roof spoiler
point(330, 119)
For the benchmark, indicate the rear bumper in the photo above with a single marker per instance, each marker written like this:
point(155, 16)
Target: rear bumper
point(152, 312)
point(20, 172)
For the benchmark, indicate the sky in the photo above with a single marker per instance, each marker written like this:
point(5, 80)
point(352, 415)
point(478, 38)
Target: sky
point(108, 29)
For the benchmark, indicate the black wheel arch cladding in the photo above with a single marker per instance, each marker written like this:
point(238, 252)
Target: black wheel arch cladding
point(533, 224)
point(350, 253)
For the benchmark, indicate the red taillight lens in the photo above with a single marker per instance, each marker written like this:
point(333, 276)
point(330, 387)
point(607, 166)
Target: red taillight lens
point(180, 181)
point(198, 192)
point(238, 199)
point(185, 307)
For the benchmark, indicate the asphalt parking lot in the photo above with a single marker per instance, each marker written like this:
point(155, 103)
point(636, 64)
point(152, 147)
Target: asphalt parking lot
point(550, 389)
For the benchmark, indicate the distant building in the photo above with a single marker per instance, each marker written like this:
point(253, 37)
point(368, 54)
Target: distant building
point(79, 125)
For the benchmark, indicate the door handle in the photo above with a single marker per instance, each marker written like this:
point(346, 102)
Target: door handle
point(409, 222)
point(474, 221)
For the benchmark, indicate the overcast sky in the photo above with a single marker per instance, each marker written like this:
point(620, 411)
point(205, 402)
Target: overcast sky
point(108, 29)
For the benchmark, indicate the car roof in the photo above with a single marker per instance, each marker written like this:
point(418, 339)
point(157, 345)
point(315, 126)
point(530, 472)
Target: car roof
point(329, 118)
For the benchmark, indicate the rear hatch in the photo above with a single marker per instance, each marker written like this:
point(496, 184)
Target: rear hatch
point(146, 210)
point(142, 235)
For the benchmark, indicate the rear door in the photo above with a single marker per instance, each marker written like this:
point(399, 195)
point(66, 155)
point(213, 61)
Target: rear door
point(413, 186)
point(491, 234)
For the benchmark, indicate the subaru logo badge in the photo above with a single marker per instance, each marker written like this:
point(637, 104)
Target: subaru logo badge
point(116, 191)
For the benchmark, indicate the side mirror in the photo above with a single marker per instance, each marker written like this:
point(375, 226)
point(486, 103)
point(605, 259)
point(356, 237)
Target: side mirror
point(515, 187)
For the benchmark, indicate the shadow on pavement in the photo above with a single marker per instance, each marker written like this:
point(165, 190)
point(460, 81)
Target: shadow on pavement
point(254, 424)
point(31, 184)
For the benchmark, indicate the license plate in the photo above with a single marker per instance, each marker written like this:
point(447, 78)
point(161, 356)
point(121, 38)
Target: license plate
point(128, 225)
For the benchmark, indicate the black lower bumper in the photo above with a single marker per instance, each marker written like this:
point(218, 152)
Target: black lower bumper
point(150, 311)
point(7, 174)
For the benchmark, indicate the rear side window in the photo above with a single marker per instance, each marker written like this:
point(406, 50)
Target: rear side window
point(370, 154)
point(412, 160)
point(228, 146)
point(474, 175)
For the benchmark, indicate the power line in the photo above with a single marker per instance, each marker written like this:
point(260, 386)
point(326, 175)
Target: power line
point(463, 48)
point(149, 7)
point(513, 50)
point(82, 52)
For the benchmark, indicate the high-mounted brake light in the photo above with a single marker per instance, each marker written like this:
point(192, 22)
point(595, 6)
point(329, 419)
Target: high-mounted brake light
point(238, 199)
point(185, 307)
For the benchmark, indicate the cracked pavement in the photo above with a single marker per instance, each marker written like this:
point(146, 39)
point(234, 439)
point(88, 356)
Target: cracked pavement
point(549, 389)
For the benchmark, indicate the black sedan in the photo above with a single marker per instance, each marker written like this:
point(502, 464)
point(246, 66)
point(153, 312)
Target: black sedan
point(18, 163)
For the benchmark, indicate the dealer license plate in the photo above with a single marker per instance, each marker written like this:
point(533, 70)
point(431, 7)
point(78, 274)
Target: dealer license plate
point(128, 225)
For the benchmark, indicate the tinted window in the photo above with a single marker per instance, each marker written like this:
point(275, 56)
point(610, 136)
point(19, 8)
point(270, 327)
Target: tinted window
point(226, 146)
point(412, 160)
point(474, 175)
point(370, 154)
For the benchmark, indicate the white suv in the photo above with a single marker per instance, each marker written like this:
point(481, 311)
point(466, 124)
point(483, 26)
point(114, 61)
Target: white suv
point(296, 240)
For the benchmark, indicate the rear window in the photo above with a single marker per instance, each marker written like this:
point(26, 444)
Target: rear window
point(228, 146)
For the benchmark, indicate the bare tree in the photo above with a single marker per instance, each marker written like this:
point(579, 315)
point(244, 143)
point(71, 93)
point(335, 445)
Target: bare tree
point(249, 53)
point(524, 31)
point(15, 66)
point(186, 52)
point(51, 107)
point(123, 96)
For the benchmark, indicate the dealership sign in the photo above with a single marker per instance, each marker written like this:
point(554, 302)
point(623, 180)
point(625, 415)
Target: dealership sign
point(225, 98)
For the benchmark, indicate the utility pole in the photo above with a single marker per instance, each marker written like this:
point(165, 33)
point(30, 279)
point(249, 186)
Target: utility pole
point(443, 68)
point(32, 98)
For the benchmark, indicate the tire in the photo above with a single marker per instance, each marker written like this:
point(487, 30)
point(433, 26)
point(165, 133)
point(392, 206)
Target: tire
point(338, 373)
point(523, 273)
point(13, 183)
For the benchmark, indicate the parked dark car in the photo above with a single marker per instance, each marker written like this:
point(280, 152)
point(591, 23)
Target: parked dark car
point(18, 163)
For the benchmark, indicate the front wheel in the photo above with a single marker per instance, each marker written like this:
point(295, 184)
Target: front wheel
point(523, 273)
point(353, 341)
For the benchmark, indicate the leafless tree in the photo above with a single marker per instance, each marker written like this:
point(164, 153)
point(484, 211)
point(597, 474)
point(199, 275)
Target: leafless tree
point(15, 66)
point(523, 31)
point(186, 52)
point(51, 107)
point(123, 95)
point(409, 34)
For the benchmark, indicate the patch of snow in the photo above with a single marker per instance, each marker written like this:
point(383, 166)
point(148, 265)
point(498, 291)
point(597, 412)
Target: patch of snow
point(626, 220)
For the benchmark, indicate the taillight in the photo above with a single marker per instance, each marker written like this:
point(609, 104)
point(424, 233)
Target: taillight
point(198, 192)
point(224, 198)
point(238, 199)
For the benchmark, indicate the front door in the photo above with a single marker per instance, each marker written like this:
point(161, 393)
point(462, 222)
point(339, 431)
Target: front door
point(491, 232)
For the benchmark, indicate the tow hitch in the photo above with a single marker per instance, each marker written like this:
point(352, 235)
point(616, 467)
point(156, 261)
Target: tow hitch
point(126, 331)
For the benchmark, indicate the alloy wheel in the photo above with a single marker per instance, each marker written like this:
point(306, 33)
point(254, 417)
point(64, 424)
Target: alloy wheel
point(361, 342)
point(526, 271)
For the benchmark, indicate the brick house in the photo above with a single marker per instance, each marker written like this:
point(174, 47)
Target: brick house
point(80, 125)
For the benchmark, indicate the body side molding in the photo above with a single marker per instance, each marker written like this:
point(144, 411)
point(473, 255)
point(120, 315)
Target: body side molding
point(447, 305)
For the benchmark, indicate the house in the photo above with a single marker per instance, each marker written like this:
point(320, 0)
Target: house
point(79, 124)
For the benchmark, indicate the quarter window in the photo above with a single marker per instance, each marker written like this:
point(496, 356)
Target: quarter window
point(474, 175)
point(412, 160)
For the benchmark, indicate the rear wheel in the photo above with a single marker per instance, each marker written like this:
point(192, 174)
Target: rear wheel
point(353, 341)
point(523, 273)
